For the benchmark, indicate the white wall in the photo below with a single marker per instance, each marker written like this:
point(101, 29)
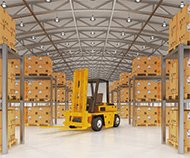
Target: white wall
point(102, 89)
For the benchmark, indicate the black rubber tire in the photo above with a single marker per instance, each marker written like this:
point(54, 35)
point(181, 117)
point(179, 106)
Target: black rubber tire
point(116, 120)
point(95, 124)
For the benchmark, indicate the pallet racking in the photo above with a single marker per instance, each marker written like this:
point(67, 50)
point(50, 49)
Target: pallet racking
point(178, 53)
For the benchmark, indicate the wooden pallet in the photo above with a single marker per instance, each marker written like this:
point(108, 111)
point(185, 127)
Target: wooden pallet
point(147, 124)
point(147, 74)
point(37, 99)
point(13, 98)
point(39, 74)
point(175, 145)
point(36, 124)
point(10, 144)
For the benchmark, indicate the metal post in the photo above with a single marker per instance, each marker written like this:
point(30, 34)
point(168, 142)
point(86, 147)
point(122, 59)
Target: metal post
point(55, 93)
point(51, 100)
point(118, 98)
point(130, 101)
point(66, 98)
point(163, 102)
point(112, 100)
point(107, 92)
point(22, 127)
point(134, 112)
point(4, 99)
point(181, 100)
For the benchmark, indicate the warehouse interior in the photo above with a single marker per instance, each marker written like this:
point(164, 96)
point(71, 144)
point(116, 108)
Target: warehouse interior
point(109, 78)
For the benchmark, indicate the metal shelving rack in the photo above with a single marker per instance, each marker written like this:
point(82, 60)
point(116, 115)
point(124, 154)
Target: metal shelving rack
point(51, 102)
point(179, 53)
point(112, 94)
point(119, 94)
point(67, 90)
point(7, 53)
point(134, 102)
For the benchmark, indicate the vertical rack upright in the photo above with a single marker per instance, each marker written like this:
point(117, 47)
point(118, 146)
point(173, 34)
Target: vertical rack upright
point(7, 53)
point(179, 53)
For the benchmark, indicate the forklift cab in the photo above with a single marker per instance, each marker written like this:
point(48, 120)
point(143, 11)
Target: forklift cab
point(96, 99)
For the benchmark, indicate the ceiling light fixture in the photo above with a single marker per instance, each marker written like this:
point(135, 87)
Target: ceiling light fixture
point(182, 4)
point(123, 34)
point(92, 43)
point(118, 43)
point(129, 19)
point(4, 4)
point(92, 33)
point(33, 37)
point(21, 24)
point(57, 20)
point(137, 1)
point(92, 18)
point(164, 24)
point(66, 44)
point(62, 33)
point(42, 47)
point(152, 37)
point(47, 53)
point(48, 1)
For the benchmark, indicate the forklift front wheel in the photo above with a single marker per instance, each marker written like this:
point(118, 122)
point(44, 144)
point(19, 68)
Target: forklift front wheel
point(116, 121)
point(97, 123)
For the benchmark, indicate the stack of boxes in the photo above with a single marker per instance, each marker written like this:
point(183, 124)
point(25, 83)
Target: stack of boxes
point(11, 128)
point(38, 90)
point(60, 95)
point(147, 91)
point(146, 66)
point(114, 87)
point(124, 111)
point(39, 115)
point(38, 66)
point(173, 78)
point(124, 95)
point(123, 82)
point(173, 128)
point(61, 78)
point(179, 28)
point(70, 87)
point(124, 78)
point(60, 111)
point(17, 115)
point(11, 80)
point(8, 29)
point(147, 116)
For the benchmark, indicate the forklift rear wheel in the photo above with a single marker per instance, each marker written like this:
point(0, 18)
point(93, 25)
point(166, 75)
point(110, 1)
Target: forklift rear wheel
point(97, 123)
point(116, 121)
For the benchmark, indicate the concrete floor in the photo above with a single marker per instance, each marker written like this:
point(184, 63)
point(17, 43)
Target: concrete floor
point(122, 142)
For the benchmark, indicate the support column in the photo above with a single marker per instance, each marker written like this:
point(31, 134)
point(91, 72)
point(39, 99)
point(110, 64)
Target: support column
point(134, 104)
point(51, 100)
point(181, 99)
point(22, 127)
point(129, 101)
point(55, 93)
point(66, 98)
point(118, 98)
point(112, 100)
point(4, 99)
point(163, 102)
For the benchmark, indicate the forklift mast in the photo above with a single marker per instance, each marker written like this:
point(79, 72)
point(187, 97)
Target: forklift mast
point(80, 86)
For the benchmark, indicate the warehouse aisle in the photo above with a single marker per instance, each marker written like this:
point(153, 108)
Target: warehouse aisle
point(109, 143)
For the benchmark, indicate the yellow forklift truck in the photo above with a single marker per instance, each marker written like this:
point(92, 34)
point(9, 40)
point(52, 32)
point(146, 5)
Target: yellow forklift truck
point(90, 111)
